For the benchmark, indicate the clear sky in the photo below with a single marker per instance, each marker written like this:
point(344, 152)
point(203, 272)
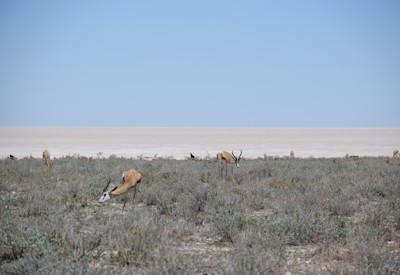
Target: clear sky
point(200, 63)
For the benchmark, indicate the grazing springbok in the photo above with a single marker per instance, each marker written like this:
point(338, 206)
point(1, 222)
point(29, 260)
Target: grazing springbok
point(46, 157)
point(396, 153)
point(225, 158)
point(130, 179)
point(291, 155)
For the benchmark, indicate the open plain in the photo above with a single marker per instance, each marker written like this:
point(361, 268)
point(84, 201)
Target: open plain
point(302, 216)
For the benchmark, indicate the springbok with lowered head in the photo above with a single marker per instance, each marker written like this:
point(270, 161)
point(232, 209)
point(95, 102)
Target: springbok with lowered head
point(130, 179)
point(225, 158)
point(46, 157)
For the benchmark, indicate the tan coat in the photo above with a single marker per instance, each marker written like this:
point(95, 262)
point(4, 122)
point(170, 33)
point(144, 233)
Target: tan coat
point(46, 157)
point(129, 180)
point(226, 156)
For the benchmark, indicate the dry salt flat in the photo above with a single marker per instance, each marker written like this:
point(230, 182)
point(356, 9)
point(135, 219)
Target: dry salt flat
point(203, 142)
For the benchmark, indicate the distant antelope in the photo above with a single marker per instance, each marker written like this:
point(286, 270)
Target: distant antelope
point(46, 157)
point(225, 158)
point(291, 155)
point(396, 153)
point(130, 179)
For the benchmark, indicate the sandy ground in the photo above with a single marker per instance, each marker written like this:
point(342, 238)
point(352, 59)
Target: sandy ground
point(179, 142)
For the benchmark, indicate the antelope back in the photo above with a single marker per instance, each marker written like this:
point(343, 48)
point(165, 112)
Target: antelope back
point(226, 156)
point(131, 177)
point(46, 154)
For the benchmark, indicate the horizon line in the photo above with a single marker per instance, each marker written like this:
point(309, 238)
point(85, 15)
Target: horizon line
point(192, 127)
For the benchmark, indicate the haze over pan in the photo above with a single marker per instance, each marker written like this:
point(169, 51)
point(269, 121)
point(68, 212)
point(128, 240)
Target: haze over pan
point(180, 142)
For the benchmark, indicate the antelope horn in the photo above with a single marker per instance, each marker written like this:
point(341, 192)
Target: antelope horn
point(108, 183)
point(240, 153)
point(233, 154)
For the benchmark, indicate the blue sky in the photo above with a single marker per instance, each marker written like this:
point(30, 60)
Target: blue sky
point(200, 63)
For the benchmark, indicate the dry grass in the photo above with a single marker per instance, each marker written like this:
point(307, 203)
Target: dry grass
point(273, 216)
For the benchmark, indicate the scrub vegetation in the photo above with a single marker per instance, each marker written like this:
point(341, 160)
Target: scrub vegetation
point(335, 216)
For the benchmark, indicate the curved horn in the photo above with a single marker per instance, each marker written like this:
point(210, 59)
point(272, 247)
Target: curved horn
point(108, 183)
point(233, 154)
point(240, 153)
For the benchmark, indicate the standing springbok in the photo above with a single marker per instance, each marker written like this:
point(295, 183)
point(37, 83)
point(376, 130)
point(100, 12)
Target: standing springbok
point(130, 179)
point(225, 158)
point(396, 153)
point(46, 157)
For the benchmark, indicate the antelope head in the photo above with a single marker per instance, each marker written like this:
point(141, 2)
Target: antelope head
point(106, 195)
point(237, 159)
